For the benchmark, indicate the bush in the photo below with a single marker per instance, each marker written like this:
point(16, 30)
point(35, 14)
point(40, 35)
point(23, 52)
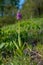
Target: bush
point(7, 20)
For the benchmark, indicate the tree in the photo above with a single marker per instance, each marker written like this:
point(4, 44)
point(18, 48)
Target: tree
point(9, 7)
point(1, 6)
point(32, 8)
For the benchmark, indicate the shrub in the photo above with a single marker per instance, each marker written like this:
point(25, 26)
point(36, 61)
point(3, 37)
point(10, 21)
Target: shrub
point(7, 20)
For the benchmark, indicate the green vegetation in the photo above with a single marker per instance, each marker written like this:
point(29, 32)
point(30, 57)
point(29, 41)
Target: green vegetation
point(16, 37)
point(21, 41)
point(32, 8)
point(8, 7)
point(7, 20)
point(29, 30)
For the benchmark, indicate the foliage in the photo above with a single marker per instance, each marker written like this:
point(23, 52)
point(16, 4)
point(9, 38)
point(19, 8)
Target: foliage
point(13, 38)
point(40, 48)
point(8, 7)
point(30, 31)
point(32, 8)
point(6, 20)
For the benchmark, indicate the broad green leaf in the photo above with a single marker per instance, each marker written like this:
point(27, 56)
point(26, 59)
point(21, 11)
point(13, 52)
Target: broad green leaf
point(2, 45)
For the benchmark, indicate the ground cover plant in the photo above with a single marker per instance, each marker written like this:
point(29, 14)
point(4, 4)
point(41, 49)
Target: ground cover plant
point(15, 38)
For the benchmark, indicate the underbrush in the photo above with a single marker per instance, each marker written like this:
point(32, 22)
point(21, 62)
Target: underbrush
point(7, 20)
point(14, 38)
point(29, 31)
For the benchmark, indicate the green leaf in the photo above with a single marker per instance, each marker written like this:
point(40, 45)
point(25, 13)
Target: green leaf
point(2, 45)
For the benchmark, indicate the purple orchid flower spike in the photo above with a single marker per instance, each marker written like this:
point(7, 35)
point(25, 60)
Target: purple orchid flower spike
point(19, 16)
